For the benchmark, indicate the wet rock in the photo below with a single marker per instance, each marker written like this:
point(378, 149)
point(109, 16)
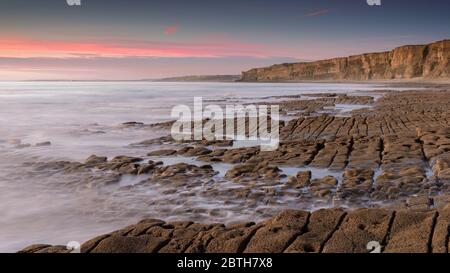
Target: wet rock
point(356, 184)
point(145, 168)
point(41, 144)
point(393, 185)
point(59, 166)
point(403, 168)
point(441, 167)
point(162, 125)
point(261, 170)
point(218, 143)
point(132, 124)
point(155, 163)
point(196, 152)
point(120, 164)
point(323, 187)
point(162, 153)
point(301, 180)
point(95, 160)
point(182, 171)
point(126, 159)
point(241, 155)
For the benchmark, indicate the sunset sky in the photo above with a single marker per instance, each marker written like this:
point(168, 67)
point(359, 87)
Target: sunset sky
point(137, 39)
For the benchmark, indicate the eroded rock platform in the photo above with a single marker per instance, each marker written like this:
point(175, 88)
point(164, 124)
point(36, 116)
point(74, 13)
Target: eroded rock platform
point(322, 231)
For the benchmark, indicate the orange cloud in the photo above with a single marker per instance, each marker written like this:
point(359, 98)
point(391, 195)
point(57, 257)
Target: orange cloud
point(318, 13)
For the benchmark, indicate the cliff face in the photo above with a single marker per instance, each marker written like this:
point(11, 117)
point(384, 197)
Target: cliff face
point(406, 62)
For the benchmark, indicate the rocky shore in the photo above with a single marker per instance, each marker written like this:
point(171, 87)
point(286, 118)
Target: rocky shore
point(322, 231)
point(383, 158)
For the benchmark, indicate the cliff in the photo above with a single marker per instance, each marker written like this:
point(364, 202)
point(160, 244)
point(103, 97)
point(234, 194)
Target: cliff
point(407, 62)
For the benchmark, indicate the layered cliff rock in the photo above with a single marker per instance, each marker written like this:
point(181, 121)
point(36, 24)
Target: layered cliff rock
point(407, 62)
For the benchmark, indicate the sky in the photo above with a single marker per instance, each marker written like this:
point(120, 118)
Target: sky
point(147, 39)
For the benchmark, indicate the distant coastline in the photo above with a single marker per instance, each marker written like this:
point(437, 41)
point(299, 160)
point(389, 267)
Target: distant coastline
point(201, 78)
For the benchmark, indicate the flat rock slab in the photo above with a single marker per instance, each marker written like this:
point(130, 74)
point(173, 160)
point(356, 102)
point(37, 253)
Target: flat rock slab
point(321, 226)
point(411, 232)
point(358, 229)
point(323, 231)
point(440, 243)
point(278, 233)
point(233, 239)
point(222, 239)
point(123, 244)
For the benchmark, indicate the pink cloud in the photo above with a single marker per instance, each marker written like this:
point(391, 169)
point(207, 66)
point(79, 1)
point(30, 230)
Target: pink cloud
point(25, 48)
point(170, 30)
point(318, 13)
